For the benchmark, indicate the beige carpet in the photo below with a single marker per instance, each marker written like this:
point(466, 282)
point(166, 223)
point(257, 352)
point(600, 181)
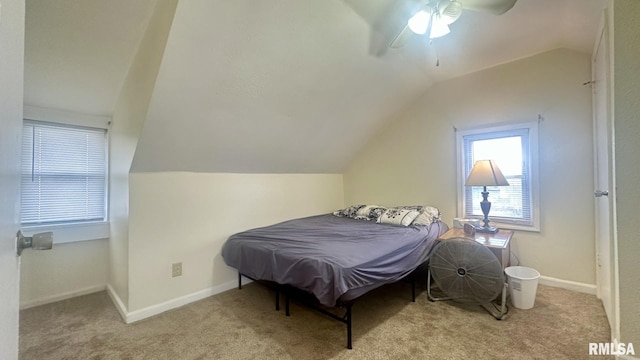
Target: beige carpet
point(242, 324)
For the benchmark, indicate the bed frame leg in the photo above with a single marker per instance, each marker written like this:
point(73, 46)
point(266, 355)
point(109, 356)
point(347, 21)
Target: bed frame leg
point(239, 280)
point(348, 320)
point(427, 281)
point(429, 286)
point(277, 298)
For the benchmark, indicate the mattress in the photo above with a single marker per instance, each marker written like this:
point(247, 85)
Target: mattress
point(334, 258)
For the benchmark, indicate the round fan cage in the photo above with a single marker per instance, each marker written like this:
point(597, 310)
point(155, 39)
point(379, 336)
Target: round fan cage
point(466, 271)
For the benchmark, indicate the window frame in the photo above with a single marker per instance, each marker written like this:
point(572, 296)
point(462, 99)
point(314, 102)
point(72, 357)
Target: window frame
point(534, 189)
point(83, 230)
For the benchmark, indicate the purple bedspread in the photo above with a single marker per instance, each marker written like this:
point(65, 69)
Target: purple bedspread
point(329, 256)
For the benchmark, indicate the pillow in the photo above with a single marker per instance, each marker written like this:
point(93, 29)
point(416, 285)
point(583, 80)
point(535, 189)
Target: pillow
point(350, 212)
point(428, 215)
point(370, 212)
point(398, 216)
point(410, 207)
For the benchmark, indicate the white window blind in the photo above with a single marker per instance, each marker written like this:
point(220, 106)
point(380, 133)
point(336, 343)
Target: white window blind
point(64, 174)
point(513, 148)
point(509, 150)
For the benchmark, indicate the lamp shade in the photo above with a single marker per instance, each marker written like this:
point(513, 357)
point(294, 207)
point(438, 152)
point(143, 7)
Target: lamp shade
point(486, 173)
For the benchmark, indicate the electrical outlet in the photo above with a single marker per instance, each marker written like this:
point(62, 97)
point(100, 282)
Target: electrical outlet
point(176, 269)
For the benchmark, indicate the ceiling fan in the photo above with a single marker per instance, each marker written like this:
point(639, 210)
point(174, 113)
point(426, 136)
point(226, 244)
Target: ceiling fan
point(435, 16)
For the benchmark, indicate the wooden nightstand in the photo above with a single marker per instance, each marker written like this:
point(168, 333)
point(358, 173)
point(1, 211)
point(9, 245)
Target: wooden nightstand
point(498, 243)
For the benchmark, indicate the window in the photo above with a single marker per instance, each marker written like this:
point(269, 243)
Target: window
point(64, 174)
point(514, 148)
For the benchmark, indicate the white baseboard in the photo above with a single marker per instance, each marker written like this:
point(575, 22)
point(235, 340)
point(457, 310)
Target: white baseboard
point(122, 309)
point(152, 310)
point(569, 285)
point(63, 296)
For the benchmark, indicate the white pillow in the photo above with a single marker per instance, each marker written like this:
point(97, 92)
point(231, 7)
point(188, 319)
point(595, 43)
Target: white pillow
point(427, 216)
point(371, 212)
point(350, 212)
point(397, 216)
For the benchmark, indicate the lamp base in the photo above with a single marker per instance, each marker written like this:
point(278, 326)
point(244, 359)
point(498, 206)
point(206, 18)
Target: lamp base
point(487, 229)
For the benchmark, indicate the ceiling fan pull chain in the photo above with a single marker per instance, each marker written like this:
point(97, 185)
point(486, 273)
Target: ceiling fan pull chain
point(437, 55)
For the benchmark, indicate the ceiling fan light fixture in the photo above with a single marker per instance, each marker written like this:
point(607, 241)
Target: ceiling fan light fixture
point(420, 21)
point(450, 11)
point(436, 16)
point(439, 28)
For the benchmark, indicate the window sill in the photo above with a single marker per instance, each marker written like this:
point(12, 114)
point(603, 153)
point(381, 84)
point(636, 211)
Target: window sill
point(515, 227)
point(68, 233)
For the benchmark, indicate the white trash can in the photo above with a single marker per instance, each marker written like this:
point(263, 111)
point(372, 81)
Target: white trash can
point(523, 284)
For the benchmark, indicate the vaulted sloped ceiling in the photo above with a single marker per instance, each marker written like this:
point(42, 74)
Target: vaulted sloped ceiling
point(268, 86)
point(78, 52)
point(272, 86)
point(297, 86)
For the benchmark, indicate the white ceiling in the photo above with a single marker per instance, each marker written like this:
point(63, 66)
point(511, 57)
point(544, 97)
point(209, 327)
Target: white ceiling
point(273, 86)
point(78, 52)
point(299, 85)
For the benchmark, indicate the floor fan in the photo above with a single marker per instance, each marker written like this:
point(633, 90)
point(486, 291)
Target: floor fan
point(466, 271)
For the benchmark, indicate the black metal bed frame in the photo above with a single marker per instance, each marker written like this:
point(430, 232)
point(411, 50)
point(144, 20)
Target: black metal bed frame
point(311, 302)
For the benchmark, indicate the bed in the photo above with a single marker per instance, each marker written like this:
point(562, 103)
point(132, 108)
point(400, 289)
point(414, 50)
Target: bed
point(336, 259)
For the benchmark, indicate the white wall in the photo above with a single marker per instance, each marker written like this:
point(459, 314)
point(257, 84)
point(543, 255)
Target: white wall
point(77, 268)
point(128, 117)
point(627, 170)
point(186, 217)
point(65, 271)
point(73, 267)
point(11, 90)
point(413, 159)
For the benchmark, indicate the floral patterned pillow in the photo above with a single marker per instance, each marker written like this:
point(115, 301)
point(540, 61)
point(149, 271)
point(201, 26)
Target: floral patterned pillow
point(428, 215)
point(398, 216)
point(371, 212)
point(350, 212)
point(410, 207)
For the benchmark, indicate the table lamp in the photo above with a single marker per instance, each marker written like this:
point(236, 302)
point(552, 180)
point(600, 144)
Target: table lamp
point(486, 173)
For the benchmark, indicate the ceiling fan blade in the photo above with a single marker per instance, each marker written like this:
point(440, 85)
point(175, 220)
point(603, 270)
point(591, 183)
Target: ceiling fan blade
point(497, 7)
point(404, 11)
point(402, 38)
